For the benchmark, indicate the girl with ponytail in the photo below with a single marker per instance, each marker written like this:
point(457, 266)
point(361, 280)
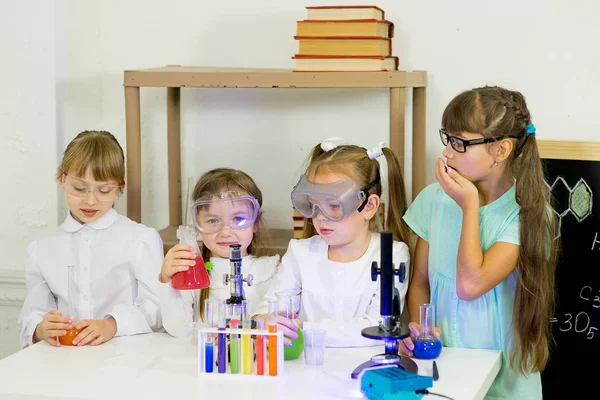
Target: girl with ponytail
point(485, 253)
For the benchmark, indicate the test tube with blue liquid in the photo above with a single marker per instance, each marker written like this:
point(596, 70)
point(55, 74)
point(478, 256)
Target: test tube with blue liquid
point(222, 338)
point(427, 345)
point(209, 344)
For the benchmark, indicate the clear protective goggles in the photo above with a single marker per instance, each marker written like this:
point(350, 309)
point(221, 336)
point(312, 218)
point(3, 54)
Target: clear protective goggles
point(80, 188)
point(215, 211)
point(334, 200)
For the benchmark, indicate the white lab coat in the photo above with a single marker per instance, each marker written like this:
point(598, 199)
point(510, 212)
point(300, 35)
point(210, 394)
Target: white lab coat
point(178, 305)
point(338, 297)
point(117, 262)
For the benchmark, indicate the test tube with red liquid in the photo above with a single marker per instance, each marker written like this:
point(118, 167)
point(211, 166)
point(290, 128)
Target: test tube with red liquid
point(260, 349)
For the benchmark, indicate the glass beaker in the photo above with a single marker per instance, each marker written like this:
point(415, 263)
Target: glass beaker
point(196, 277)
point(427, 345)
point(288, 304)
point(67, 339)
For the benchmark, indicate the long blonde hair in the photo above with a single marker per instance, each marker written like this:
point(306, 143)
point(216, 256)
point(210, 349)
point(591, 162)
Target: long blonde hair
point(494, 111)
point(96, 151)
point(353, 161)
point(215, 181)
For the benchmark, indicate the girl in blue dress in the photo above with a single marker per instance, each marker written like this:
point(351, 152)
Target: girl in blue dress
point(485, 253)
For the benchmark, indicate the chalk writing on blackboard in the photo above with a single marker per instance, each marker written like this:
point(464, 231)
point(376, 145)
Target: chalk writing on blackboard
point(580, 199)
point(581, 322)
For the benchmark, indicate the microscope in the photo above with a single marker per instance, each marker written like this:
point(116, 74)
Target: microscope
point(234, 279)
point(389, 329)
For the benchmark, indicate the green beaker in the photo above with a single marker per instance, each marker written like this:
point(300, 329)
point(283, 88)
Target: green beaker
point(288, 304)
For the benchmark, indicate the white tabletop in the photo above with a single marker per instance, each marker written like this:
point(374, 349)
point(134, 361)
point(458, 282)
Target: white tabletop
point(157, 366)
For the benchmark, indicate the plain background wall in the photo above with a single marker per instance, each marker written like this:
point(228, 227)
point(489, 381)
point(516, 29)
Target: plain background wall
point(63, 64)
point(28, 139)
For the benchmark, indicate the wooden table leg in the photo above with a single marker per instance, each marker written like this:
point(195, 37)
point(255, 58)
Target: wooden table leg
point(174, 154)
point(397, 116)
point(419, 155)
point(134, 153)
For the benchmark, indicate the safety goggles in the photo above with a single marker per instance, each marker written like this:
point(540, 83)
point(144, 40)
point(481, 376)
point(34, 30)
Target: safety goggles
point(334, 200)
point(80, 188)
point(215, 211)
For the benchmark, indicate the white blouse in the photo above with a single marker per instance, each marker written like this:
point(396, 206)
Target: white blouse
point(177, 306)
point(116, 261)
point(339, 297)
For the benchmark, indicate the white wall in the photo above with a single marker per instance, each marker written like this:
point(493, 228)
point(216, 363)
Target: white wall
point(28, 147)
point(538, 47)
point(543, 48)
point(27, 127)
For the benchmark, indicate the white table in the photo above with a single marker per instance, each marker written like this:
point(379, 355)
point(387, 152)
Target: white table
point(157, 366)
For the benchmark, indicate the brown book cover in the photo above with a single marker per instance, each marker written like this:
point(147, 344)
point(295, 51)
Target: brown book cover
point(349, 27)
point(316, 63)
point(298, 224)
point(344, 46)
point(345, 12)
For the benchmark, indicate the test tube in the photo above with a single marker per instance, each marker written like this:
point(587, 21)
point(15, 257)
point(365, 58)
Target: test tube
point(234, 347)
point(260, 349)
point(209, 346)
point(247, 353)
point(70, 294)
point(222, 347)
point(67, 339)
point(272, 321)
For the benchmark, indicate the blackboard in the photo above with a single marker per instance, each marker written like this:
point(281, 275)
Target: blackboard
point(573, 174)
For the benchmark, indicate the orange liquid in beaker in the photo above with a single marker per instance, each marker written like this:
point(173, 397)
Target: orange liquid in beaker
point(67, 339)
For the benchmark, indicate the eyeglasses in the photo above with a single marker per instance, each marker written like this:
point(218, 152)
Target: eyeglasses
point(460, 145)
point(80, 188)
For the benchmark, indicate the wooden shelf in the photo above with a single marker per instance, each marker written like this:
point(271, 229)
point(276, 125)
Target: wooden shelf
point(209, 77)
point(173, 78)
point(279, 239)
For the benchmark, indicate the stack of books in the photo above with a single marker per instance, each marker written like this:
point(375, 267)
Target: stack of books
point(298, 225)
point(345, 38)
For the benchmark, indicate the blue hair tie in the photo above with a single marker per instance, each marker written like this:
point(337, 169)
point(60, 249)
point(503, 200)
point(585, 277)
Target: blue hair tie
point(530, 130)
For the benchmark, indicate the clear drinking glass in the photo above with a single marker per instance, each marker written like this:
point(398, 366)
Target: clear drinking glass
point(314, 346)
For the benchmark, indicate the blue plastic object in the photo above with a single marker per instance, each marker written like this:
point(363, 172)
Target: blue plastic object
point(393, 384)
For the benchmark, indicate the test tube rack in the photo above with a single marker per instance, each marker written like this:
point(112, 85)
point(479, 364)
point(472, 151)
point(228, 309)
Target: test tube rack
point(247, 352)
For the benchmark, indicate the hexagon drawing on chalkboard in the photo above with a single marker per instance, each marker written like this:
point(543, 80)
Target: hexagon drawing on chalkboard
point(559, 223)
point(561, 195)
point(580, 201)
point(577, 201)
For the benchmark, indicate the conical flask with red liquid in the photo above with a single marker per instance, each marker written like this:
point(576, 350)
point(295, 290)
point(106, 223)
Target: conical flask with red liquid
point(67, 339)
point(196, 277)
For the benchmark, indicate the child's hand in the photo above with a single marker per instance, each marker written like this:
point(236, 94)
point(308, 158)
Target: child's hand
point(53, 325)
point(179, 258)
point(406, 345)
point(460, 189)
point(96, 331)
point(284, 325)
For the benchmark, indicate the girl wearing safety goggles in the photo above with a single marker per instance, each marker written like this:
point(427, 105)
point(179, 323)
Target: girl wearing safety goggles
point(226, 210)
point(115, 260)
point(339, 195)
